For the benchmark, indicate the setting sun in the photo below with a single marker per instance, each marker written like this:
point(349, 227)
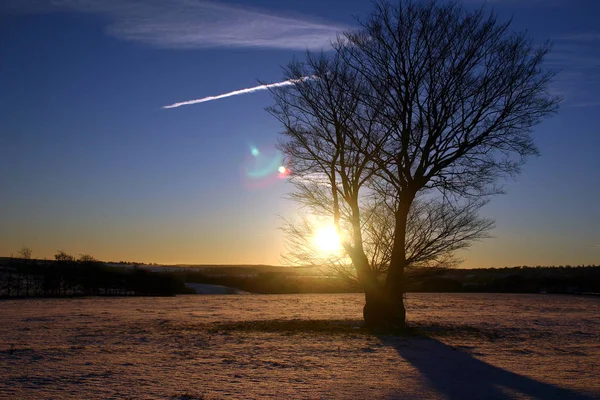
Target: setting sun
point(326, 239)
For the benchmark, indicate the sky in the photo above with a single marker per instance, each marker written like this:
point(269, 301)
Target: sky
point(91, 162)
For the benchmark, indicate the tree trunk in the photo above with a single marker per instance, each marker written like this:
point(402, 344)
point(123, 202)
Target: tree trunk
point(384, 305)
point(384, 309)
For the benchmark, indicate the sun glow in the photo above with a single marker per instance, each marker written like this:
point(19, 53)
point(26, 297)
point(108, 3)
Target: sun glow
point(326, 239)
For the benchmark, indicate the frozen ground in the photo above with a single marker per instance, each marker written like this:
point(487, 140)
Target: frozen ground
point(202, 288)
point(482, 346)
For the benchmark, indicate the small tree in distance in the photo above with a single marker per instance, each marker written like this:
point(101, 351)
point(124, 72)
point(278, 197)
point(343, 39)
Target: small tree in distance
point(86, 258)
point(412, 121)
point(62, 256)
point(25, 253)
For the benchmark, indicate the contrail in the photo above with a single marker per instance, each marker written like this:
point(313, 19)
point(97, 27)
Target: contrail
point(241, 91)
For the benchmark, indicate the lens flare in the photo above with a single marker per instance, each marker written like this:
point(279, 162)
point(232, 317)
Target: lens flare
point(263, 166)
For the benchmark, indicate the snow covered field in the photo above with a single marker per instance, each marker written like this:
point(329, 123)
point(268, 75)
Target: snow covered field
point(481, 346)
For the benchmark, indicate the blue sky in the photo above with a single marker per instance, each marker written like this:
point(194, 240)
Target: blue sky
point(92, 163)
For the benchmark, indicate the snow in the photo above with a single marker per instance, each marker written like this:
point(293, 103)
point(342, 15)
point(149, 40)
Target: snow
point(482, 346)
point(203, 288)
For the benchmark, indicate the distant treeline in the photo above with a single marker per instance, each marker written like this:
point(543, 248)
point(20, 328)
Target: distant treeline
point(66, 276)
point(87, 277)
point(562, 279)
point(524, 279)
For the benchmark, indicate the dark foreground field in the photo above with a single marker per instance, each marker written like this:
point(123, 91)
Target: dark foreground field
point(463, 346)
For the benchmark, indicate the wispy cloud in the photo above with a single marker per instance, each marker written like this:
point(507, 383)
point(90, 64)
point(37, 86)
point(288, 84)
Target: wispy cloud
point(582, 36)
point(588, 104)
point(238, 92)
point(194, 23)
point(576, 56)
point(578, 50)
point(536, 3)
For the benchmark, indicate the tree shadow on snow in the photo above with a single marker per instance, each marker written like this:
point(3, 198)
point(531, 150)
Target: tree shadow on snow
point(457, 375)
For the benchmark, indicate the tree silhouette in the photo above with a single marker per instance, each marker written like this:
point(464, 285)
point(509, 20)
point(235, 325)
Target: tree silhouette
point(25, 253)
point(426, 101)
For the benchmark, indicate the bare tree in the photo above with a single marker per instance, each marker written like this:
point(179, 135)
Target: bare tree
point(25, 253)
point(86, 258)
point(62, 256)
point(426, 101)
